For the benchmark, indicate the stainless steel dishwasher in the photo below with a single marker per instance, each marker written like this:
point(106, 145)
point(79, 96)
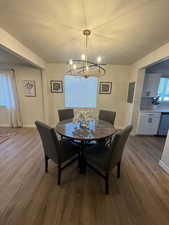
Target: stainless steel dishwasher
point(164, 124)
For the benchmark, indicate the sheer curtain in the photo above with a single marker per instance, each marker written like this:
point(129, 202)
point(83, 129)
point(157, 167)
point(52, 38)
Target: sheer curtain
point(9, 97)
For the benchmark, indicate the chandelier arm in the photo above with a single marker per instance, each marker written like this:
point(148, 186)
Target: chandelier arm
point(92, 65)
point(79, 60)
point(84, 66)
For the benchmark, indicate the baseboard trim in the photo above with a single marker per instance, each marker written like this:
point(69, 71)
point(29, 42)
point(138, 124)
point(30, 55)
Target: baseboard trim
point(26, 126)
point(29, 126)
point(4, 125)
point(164, 166)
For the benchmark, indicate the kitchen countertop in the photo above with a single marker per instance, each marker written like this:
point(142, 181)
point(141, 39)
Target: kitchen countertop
point(154, 110)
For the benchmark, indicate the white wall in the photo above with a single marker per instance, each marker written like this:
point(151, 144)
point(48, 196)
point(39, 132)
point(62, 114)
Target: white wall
point(31, 107)
point(137, 75)
point(117, 100)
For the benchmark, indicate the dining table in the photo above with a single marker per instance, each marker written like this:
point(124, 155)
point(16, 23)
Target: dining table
point(96, 131)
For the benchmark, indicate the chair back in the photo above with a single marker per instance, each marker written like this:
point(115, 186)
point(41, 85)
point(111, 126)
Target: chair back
point(117, 146)
point(49, 140)
point(65, 114)
point(108, 116)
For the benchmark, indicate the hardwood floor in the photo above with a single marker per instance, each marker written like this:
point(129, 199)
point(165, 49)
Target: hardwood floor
point(28, 196)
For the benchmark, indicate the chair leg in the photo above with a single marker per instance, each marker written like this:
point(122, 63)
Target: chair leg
point(59, 174)
point(46, 164)
point(118, 169)
point(107, 184)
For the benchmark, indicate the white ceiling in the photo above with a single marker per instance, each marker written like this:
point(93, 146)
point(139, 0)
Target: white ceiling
point(7, 57)
point(122, 30)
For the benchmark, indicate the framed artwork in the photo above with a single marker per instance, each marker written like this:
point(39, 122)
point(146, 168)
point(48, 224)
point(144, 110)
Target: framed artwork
point(105, 88)
point(29, 88)
point(56, 86)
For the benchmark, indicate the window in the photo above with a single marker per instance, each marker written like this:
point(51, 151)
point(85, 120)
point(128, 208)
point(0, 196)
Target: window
point(163, 89)
point(80, 92)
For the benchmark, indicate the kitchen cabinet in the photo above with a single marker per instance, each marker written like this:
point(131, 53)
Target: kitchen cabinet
point(151, 83)
point(148, 123)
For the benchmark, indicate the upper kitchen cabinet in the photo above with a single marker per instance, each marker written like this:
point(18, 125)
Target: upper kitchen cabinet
point(151, 84)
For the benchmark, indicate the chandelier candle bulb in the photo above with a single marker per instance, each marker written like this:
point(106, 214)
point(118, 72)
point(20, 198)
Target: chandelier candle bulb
point(83, 57)
point(99, 59)
point(70, 62)
point(74, 66)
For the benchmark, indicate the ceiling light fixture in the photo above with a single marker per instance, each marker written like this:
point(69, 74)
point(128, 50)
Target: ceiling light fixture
point(84, 67)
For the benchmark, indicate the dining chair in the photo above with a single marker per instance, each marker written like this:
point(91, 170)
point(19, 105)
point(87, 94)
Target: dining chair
point(108, 116)
point(103, 158)
point(65, 114)
point(58, 151)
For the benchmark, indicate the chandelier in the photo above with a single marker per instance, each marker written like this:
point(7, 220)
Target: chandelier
point(83, 66)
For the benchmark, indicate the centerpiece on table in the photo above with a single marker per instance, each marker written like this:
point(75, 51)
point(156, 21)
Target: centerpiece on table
point(83, 118)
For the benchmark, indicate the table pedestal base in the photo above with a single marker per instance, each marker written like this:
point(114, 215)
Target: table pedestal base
point(82, 159)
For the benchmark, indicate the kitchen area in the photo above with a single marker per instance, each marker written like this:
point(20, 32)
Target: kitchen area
point(154, 107)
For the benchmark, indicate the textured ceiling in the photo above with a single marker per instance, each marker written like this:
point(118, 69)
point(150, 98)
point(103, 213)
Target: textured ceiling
point(122, 30)
point(9, 58)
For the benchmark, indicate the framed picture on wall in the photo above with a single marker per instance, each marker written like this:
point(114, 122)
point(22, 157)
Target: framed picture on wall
point(29, 88)
point(105, 87)
point(56, 86)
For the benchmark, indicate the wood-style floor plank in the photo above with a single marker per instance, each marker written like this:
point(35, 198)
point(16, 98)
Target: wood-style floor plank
point(28, 196)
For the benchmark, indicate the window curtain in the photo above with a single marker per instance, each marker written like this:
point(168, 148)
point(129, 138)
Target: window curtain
point(9, 97)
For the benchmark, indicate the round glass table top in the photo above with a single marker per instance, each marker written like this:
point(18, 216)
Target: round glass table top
point(97, 129)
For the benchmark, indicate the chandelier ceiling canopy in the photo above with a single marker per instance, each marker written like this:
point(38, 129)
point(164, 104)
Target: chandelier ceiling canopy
point(85, 67)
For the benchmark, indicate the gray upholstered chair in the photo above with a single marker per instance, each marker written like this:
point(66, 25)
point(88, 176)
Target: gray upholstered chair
point(103, 158)
point(65, 114)
point(108, 116)
point(57, 151)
